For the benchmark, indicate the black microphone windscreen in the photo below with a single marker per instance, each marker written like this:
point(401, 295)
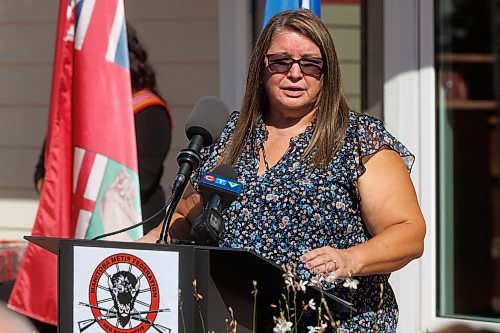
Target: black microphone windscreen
point(208, 119)
point(226, 171)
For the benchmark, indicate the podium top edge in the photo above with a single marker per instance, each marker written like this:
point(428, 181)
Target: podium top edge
point(52, 244)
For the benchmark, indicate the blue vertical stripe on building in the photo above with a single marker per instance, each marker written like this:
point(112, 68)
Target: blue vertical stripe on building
point(275, 6)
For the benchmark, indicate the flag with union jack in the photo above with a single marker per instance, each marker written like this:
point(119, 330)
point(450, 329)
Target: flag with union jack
point(91, 183)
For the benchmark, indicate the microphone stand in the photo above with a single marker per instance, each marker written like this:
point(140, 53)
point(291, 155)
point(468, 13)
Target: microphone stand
point(188, 160)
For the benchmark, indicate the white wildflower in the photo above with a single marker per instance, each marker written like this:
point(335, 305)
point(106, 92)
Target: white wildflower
point(282, 326)
point(289, 282)
point(311, 304)
point(317, 281)
point(302, 285)
point(312, 329)
point(351, 283)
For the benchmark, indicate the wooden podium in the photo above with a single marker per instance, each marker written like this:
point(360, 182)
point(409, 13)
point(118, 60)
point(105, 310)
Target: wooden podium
point(123, 287)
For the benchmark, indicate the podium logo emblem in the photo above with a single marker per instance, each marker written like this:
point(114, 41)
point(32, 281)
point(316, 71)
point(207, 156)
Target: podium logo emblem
point(123, 296)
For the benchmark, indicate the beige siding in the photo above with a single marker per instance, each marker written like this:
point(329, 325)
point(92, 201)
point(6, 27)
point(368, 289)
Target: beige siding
point(344, 23)
point(182, 39)
point(27, 31)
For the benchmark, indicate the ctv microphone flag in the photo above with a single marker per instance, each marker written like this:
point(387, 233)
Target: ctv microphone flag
point(91, 183)
point(223, 183)
point(273, 7)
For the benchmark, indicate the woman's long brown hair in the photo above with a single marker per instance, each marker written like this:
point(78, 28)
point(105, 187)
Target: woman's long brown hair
point(332, 109)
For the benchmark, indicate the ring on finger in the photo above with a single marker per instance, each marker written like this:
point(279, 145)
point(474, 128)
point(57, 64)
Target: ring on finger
point(334, 264)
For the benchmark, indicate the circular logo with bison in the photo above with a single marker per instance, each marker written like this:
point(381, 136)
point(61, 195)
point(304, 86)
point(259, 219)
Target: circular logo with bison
point(123, 296)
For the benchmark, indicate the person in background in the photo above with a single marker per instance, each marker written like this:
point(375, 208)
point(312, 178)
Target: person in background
point(153, 128)
point(325, 190)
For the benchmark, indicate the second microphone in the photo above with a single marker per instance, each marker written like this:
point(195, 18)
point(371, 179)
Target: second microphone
point(218, 190)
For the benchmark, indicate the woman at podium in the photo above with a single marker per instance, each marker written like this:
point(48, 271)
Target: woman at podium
point(324, 188)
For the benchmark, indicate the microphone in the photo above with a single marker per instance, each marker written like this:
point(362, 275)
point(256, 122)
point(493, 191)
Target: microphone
point(203, 127)
point(218, 189)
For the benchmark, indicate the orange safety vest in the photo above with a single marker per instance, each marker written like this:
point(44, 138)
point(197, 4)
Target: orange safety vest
point(145, 98)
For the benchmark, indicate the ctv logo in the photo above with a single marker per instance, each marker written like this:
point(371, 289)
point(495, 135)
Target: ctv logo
point(209, 178)
point(215, 180)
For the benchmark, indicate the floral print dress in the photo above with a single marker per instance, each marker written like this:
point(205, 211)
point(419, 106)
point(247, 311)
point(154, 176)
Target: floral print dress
point(291, 209)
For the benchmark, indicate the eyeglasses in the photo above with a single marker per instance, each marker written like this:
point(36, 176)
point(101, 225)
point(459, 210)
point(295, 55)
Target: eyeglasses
point(281, 63)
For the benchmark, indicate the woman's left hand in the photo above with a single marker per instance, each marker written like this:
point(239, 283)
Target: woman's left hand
point(332, 263)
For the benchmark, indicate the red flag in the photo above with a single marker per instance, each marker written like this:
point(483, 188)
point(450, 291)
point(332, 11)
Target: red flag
point(91, 182)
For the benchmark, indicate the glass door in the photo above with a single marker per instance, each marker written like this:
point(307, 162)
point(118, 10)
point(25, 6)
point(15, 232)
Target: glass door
point(467, 59)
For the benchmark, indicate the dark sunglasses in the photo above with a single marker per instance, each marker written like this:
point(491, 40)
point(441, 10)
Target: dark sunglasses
point(281, 63)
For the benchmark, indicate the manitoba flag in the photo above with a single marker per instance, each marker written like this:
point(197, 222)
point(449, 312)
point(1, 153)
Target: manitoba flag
point(91, 183)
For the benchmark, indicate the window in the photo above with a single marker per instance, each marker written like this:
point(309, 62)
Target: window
point(468, 86)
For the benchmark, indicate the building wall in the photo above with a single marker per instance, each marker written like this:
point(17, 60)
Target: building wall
point(27, 30)
point(344, 23)
point(183, 47)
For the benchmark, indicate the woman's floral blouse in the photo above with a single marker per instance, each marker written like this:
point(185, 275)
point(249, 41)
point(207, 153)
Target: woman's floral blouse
point(291, 209)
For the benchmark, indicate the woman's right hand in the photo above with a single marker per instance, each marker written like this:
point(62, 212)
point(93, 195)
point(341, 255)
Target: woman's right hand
point(148, 238)
point(189, 207)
